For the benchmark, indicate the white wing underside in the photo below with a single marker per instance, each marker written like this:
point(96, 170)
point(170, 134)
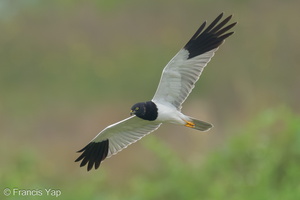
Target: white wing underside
point(125, 132)
point(179, 77)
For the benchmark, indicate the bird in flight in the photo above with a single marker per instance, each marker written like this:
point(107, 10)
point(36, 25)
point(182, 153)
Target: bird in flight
point(177, 81)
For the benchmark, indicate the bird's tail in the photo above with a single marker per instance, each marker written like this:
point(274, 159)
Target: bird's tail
point(198, 124)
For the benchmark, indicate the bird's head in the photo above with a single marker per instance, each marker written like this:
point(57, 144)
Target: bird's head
point(138, 109)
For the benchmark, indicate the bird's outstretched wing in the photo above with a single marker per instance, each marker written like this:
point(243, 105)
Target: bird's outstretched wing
point(113, 139)
point(182, 72)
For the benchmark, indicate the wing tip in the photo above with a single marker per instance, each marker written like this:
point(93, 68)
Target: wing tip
point(93, 154)
point(206, 39)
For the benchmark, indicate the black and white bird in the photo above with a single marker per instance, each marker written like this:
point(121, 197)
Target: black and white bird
point(177, 81)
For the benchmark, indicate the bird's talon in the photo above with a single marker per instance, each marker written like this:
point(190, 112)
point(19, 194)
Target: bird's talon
point(190, 124)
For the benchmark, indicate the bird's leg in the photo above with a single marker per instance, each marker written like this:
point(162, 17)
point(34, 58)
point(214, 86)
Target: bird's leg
point(189, 124)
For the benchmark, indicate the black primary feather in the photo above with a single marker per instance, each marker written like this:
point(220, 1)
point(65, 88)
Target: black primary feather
point(210, 38)
point(93, 154)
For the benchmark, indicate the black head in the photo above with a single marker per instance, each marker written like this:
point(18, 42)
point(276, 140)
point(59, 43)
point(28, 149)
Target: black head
point(145, 110)
point(138, 109)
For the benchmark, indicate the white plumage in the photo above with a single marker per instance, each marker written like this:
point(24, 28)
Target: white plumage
point(179, 77)
point(125, 132)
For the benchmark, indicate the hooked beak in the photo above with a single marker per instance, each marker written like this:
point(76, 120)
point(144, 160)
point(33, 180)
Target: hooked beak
point(132, 112)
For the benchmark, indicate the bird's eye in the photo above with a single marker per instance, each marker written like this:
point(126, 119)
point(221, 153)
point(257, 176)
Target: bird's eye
point(137, 108)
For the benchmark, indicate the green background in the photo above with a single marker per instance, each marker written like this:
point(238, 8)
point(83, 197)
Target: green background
point(70, 68)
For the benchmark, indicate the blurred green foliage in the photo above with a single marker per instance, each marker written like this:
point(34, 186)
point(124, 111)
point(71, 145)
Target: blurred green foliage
point(259, 161)
point(70, 68)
